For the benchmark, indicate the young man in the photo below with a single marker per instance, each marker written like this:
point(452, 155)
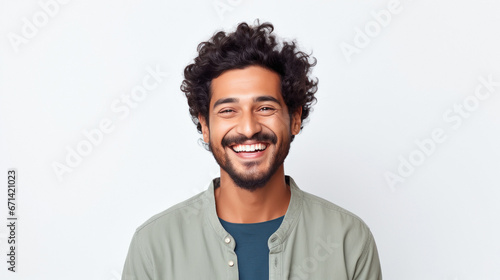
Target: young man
point(248, 96)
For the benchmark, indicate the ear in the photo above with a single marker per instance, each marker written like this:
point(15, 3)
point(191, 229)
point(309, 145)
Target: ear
point(296, 121)
point(204, 128)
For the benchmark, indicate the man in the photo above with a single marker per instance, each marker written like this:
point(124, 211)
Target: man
point(248, 96)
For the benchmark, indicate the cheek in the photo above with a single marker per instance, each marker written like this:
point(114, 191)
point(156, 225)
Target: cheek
point(280, 125)
point(219, 129)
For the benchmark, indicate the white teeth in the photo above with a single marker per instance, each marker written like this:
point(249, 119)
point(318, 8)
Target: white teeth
point(249, 148)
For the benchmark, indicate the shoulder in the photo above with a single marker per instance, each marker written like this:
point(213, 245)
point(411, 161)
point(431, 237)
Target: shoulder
point(321, 217)
point(342, 232)
point(332, 215)
point(313, 201)
point(188, 212)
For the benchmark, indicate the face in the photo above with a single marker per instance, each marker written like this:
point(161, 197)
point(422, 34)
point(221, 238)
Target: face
point(249, 129)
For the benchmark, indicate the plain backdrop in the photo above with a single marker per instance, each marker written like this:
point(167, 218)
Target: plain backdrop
point(407, 89)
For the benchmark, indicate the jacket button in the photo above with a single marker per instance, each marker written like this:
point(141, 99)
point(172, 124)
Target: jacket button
point(227, 240)
point(231, 263)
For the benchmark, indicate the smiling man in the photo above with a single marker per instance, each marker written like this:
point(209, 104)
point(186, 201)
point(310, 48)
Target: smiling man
point(248, 96)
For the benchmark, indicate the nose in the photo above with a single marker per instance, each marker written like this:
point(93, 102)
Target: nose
point(248, 125)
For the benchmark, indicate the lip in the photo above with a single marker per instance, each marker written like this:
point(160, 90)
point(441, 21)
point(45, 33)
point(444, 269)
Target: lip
point(249, 155)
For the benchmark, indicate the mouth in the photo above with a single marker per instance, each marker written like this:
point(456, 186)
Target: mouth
point(249, 148)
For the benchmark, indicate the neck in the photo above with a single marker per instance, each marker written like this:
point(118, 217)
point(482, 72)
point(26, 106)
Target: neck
point(237, 205)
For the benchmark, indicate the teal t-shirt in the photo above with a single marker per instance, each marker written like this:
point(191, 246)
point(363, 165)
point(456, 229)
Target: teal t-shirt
point(251, 246)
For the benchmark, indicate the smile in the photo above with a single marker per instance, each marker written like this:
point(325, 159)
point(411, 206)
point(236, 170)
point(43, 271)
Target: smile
point(249, 148)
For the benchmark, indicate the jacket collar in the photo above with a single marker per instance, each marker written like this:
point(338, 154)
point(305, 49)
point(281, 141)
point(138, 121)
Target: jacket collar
point(278, 237)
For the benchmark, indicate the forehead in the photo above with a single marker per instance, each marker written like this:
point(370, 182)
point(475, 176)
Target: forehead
point(246, 83)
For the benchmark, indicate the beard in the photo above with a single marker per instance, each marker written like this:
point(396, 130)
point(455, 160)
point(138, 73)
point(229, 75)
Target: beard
point(251, 180)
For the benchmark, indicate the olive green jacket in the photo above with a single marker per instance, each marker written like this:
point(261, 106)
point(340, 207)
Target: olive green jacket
point(316, 240)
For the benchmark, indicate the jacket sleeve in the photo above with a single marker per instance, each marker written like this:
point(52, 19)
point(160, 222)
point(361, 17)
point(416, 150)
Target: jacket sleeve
point(138, 265)
point(368, 265)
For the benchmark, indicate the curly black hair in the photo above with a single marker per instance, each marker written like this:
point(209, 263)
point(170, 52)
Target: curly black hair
point(249, 45)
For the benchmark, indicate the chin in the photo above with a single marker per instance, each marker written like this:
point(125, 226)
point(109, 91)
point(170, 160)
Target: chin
point(251, 182)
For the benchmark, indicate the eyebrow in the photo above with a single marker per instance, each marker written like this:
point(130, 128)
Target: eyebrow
point(226, 100)
point(236, 100)
point(267, 98)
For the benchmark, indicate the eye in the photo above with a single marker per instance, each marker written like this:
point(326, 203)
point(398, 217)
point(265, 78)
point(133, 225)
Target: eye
point(226, 113)
point(267, 110)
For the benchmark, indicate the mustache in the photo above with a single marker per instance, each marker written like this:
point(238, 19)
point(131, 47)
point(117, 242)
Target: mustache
point(260, 137)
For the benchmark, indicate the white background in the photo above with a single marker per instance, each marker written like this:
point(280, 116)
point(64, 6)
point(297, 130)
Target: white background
point(441, 223)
